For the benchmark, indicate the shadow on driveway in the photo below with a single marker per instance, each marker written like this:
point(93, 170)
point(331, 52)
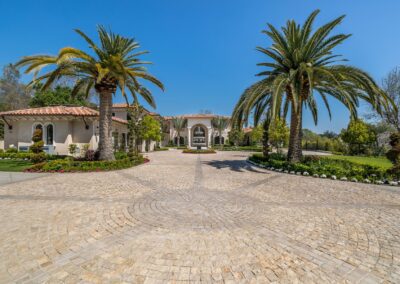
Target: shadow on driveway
point(233, 165)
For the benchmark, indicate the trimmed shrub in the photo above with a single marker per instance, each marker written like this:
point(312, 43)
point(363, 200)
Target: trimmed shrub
point(38, 158)
point(37, 147)
point(241, 148)
point(120, 155)
point(316, 165)
point(68, 165)
point(195, 151)
point(394, 153)
point(90, 155)
point(11, 150)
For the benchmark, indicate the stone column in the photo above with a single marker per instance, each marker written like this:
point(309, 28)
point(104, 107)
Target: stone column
point(189, 138)
point(209, 132)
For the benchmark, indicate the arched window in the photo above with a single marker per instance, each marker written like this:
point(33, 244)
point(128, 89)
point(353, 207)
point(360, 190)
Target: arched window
point(49, 134)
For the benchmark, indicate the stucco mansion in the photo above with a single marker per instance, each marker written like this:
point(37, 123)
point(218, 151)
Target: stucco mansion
point(65, 125)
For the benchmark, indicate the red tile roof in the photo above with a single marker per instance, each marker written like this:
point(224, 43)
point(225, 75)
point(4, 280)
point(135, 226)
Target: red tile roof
point(58, 110)
point(124, 105)
point(247, 129)
point(195, 116)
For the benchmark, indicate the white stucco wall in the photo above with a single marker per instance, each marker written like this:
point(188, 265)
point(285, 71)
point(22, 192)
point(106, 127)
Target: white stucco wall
point(120, 113)
point(22, 131)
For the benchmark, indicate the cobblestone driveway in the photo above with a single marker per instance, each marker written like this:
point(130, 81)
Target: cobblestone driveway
point(190, 218)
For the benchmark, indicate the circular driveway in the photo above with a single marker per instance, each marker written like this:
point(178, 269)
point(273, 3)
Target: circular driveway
point(197, 218)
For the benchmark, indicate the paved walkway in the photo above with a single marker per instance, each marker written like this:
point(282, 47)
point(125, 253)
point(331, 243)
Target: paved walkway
point(197, 218)
point(11, 177)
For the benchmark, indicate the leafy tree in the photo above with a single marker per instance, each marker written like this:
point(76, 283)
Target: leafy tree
point(179, 123)
point(394, 153)
point(302, 64)
point(265, 139)
point(357, 135)
point(278, 133)
point(220, 123)
point(391, 115)
point(150, 129)
point(235, 136)
point(256, 134)
point(329, 134)
point(13, 94)
point(113, 64)
point(135, 115)
point(60, 95)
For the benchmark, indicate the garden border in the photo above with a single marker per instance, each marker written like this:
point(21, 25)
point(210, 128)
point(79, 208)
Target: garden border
point(391, 184)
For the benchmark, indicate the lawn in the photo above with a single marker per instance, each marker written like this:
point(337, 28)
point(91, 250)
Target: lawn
point(381, 162)
point(14, 165)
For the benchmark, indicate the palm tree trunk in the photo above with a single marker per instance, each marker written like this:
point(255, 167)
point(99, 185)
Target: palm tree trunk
point(105, 127)
point(220, 139)
point(266, 138)
point(179, 139)
point(294, 151)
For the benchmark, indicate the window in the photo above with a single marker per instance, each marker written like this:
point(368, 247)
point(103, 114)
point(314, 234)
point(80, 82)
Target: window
point(49, 134)
point(113, 114)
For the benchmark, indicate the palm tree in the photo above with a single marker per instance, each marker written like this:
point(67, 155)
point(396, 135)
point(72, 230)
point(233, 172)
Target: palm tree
point(112, 65)
point(302, 65)
point(220, 123)
point(179, 124)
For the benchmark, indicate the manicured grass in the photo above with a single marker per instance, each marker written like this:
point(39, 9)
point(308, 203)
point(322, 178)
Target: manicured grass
point(380, 162)
point(14, 165)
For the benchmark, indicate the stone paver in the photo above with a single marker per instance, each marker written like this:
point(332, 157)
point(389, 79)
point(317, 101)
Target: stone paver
point(199, 219)
point(11, 177)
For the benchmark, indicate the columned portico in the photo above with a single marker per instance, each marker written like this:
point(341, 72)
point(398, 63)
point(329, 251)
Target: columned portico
point(199, 131)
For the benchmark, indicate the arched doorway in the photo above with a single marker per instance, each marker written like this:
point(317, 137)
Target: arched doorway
point(199, 136)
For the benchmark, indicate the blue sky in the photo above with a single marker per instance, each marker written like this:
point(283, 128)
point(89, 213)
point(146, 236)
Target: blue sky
point(203, 51)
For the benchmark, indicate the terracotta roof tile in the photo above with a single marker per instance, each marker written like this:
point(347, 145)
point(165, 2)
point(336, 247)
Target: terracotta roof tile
point(57, 110)
point(247, 129)
point(124, 105)
point(195, 116)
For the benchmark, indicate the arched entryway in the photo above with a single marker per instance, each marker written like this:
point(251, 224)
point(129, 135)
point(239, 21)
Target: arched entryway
point(199, 136)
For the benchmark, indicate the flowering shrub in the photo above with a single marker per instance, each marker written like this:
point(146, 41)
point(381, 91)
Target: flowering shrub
point(316, 165)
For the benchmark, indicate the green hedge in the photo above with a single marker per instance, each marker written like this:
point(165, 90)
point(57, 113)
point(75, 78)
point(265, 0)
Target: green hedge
point(161, 149)
point(27, 155)
point(240, 148)
point(328, 166)
point(195, 151)
point(69, 165)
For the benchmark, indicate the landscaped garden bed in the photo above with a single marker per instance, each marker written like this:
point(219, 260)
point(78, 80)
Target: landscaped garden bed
point(200, 151)
point(14, 161)
point(327, 167)
point(72, 165)
point(241, 148)
point(161, 149)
